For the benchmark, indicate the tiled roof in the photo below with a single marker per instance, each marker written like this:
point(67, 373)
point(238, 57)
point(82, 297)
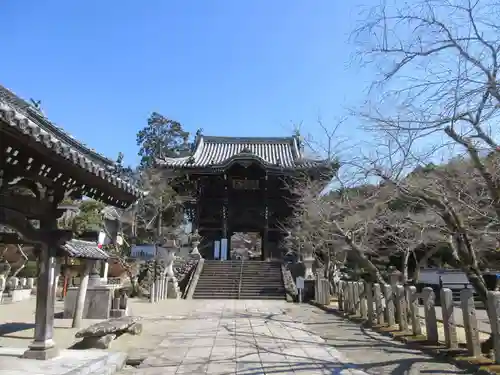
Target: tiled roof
point(218, 152)
point(23, 117)
point(84, 250)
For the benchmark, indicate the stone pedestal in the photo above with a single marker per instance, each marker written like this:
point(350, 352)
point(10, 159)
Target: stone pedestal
point(21, 295)
point(173, 291)
point(94, 277)
point(308, 263)
point(97, 305)
point(309, 290)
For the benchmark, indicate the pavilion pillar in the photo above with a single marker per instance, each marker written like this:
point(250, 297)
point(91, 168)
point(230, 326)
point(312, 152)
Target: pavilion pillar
point(224, 244)
point(82, 293)
point(265, 234)
point(43, 345)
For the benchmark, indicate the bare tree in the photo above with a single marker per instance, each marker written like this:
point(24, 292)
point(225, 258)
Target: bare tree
point(439, 63)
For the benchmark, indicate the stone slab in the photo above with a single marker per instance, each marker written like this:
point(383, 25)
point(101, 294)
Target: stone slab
point(97, 302)
point(70, 362)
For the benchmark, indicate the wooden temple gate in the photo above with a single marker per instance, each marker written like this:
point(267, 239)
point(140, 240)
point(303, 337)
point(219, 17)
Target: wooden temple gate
point(242, 185)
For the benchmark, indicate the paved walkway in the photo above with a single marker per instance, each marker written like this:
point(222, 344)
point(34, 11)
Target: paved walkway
point(266, 337)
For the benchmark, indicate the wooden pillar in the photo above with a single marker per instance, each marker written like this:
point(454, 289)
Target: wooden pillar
point(43, 346)
point(265, 234)
point(224, 250)
point(82, 293)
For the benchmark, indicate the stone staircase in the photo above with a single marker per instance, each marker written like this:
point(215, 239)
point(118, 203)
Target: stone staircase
point(218, 280)
point(261, 280)
point(240, 280)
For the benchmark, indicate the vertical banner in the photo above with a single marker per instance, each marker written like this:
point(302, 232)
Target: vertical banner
point(216, 249)
point(223, 250)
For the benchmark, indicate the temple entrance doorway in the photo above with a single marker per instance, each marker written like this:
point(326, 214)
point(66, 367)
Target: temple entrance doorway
point(246, 246)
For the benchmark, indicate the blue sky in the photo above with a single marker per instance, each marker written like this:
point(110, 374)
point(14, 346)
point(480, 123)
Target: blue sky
point(236, 68)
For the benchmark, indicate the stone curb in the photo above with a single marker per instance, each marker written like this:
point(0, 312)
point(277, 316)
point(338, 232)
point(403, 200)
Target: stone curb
point(478, 369)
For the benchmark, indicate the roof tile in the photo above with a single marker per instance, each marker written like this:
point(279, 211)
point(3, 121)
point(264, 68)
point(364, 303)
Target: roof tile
point(216, 152)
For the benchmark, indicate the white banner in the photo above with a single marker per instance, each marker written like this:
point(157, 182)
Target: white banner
point(216, 249)
point(223, 249)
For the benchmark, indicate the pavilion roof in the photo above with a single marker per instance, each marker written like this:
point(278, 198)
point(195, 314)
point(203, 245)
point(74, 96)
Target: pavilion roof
point(219, 152)
point(95, 169)
point(84, 250)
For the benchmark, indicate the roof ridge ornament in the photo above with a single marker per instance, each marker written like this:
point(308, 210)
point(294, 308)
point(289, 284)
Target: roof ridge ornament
point(246, 150)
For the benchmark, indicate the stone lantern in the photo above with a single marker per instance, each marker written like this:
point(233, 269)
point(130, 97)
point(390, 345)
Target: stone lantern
point(308, 260)
point(195, 241)
point(166, 252)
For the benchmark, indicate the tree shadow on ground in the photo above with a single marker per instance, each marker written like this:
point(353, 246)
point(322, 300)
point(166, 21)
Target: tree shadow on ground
point(9, 329)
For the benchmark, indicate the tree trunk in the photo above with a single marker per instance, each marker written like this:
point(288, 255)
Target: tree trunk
point(404, 265)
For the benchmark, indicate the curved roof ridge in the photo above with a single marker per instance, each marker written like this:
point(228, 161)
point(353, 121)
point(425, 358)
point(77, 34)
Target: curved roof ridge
point(226, 139)
point(30, 111)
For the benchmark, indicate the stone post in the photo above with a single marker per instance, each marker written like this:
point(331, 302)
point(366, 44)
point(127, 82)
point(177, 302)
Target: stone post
point(401, 310)
point(362, 302)
point(163, 287)
point(389, 305)
point(450, 326)
point(152, 292)
point(494, 313)
point(340, 295)
point(81, 295)
point(377, 294)
point(352, 298)
point(22, 282)
point(2, 283)
point(30, 284)
point(326, 292)
point(57, 273)
point(158, 289)
point(430, 315)
point(43, 346)
point(357, 299)
point(105, 270)
point(14, 283)
point(317, 281)
point(470, 322)
point(345, 285)
point(2, 286)
point(369, 302)
point(411, 292)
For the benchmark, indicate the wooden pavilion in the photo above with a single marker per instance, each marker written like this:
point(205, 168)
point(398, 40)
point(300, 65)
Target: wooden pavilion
point(40, 165)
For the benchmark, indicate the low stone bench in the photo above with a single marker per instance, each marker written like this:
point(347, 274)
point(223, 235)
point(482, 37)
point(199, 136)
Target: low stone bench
point(100, 335)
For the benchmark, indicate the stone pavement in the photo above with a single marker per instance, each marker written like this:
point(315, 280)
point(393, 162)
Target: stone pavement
point(266, 337)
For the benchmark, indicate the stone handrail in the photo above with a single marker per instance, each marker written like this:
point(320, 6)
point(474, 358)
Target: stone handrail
point(289, 283)
point(193, 280)
point(241, 278)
